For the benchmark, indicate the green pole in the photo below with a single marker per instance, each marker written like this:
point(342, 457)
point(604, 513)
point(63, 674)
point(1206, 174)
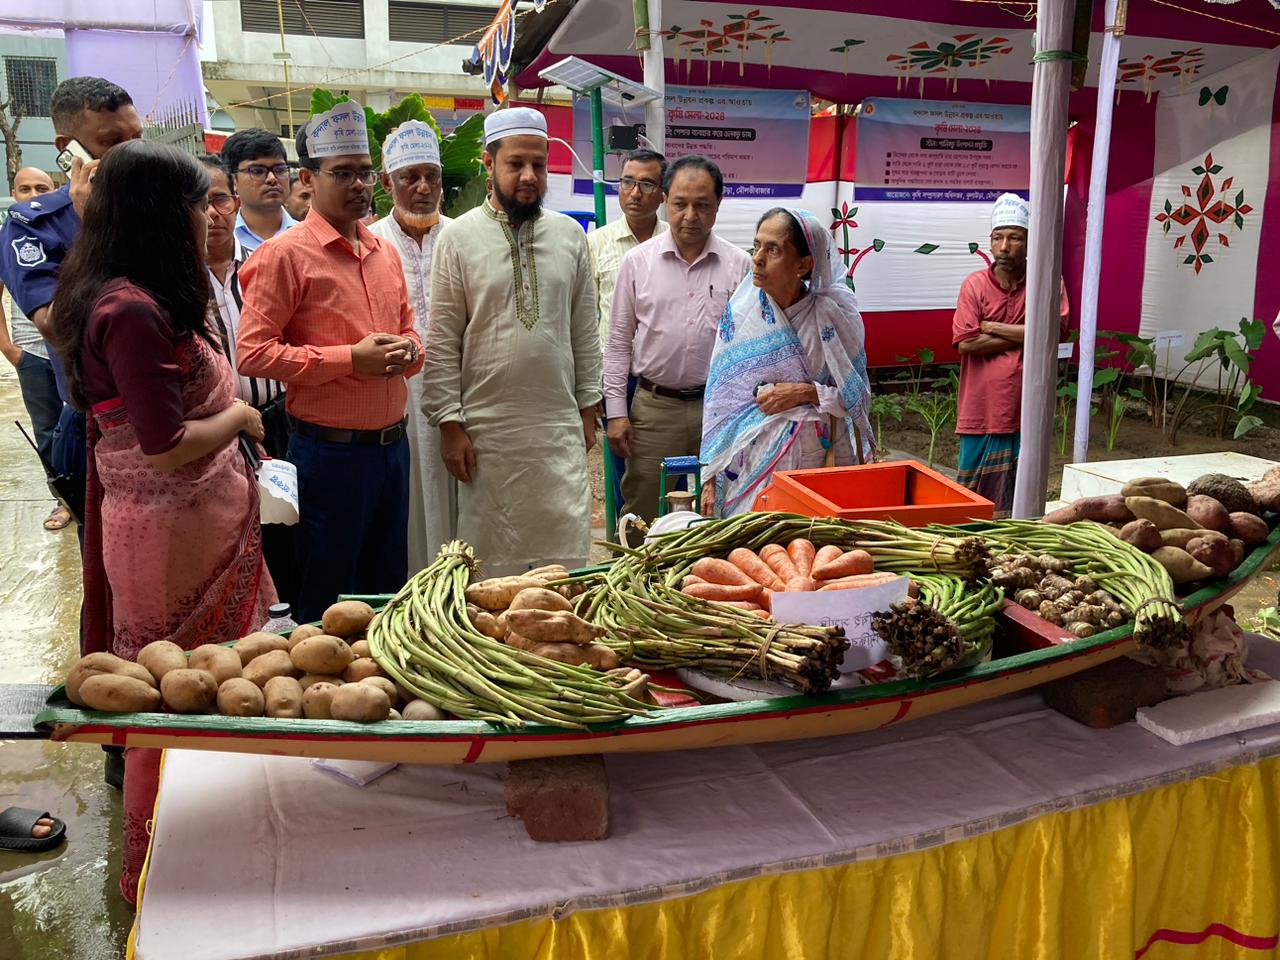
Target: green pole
point(597, 177)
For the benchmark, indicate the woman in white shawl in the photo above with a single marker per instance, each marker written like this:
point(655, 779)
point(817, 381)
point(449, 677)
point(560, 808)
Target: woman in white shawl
point(788, 376)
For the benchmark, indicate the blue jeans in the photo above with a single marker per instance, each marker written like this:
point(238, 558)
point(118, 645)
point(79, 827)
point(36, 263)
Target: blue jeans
point(353, 527)
point(40, 397)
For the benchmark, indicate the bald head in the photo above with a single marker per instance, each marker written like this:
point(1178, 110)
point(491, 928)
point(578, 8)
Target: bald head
point(30, 182)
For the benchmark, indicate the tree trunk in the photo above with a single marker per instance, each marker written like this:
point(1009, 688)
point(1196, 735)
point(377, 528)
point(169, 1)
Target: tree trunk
point(13, 150)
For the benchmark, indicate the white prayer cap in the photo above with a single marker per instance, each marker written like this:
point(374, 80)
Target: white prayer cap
point(339, 132)
point(1010, 211)
point(411, 143)
point(514, 122)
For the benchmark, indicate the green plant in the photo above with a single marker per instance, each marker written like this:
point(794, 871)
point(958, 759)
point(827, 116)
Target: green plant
point(1236, 393)
point(1115, 413)
point(1066, 394)
point(1139, 353)
point(914, 378)
point(461, 168)
point(885, 405)
point(937, 407)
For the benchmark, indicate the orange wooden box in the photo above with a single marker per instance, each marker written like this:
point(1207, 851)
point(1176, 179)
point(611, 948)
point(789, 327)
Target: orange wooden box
point(901, 490)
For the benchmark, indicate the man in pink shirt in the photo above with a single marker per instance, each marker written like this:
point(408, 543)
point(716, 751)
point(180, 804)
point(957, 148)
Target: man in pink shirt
point(988, 329)
point(667, 303)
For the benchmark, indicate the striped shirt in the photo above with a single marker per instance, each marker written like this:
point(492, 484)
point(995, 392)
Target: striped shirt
point(608, 246)
point(226, 305)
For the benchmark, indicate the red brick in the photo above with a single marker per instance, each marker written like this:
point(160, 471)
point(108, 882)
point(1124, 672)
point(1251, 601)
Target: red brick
point(1108, 694)
point(560, 799)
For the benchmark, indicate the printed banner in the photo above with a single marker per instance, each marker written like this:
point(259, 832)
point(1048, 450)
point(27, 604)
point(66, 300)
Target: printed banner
point(935, 150)
point(759, 138)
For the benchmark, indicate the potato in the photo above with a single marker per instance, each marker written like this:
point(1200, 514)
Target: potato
point(539, 598)
point(362, 702)
point(1158, 512)
point(1141, 534)
point(256, 644)
point(497, 593)
point(360, 649)
point(239, 697)
point(1216, 554)
point(161, 656)
point(97, 664)
point(317, 699)
point(385, 685)
point(1248, 528)
point(283, 696)
point(222, 662)
point(118, 693)
point(421, 710)
point(1180, 537)
point(1182, 567)
point(275, 663)
point(302, 632)
point(488, 624)
point(322, 654)
point(1208, 513)
point(311, 678)
point(359, 669)
point(347, 617)
point(1174, 494)
point(189, 691)
point(547, 627)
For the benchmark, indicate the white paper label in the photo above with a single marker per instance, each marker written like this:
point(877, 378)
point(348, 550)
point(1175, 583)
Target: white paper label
point(1064, 350)
point(1170, 338)
point(850, 609)
point(278, 491)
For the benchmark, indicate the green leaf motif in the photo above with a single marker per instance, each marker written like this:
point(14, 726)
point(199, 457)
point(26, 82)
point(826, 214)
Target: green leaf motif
point(1205, 258)
point(1168, 207)
point(926, 248)
point(1239, 221)
point(925, 355)
point(835, 214)
point(1191, 258)
point(973, 248)
point(1240, 199)
point(1215, 169)
point(877, 245)
point(1245, 425)
point(1198, 171)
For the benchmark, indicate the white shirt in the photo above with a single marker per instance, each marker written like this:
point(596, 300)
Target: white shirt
point(416, 261)
point(227, 299)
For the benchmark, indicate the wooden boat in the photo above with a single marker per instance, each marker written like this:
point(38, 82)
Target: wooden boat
point(1028, 656)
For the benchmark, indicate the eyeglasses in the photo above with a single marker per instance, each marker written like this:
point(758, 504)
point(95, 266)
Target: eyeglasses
point(223, 203)
point(258, 172)
point(646, 187)
point(345, 178)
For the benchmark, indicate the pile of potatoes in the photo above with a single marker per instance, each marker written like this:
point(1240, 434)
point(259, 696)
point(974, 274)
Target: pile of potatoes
point(524, 612)
point(317, 672)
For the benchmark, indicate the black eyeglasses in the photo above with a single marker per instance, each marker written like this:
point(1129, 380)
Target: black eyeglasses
point(223, 203)
point(631, 183)
point(258, 171)
point(345, 178)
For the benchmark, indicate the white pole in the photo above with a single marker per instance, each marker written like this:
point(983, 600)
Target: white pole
point(655, 112)
point(1051, 85)
point(1094, 225)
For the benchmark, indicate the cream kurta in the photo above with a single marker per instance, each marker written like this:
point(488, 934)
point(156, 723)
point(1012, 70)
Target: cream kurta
point(433, 493)
point(513, 353)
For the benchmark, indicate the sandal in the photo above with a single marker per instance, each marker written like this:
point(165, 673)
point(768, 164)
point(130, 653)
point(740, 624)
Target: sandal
point(58, 518)
point(16, 824)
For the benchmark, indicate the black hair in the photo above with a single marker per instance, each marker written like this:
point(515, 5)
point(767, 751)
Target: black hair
point(304, 159)
point(293, 175)
point(493, 146)
point(249, 145)
point(214, 162)
point(794, 231)
point(76, 94)
point(695, 162)
point(648, 156)
point(141, 189)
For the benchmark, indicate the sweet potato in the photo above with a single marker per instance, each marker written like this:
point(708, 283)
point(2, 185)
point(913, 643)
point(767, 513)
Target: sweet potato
point(851, 564)
point(222, 662)
point(548, 573)
point(1180, 536)
point(161, 656)
point(361, 702)
point(497, 593)
point(540, 598)
point(593, 655)
point(1160, 513)
point(756, 569)
point(1208, 513)
point(256, 644)
point(719, 591)
point(1214, 553)
point(802, 553)
point(1174, 494)
point(189, 691)
point(1182, 567)
point(238, 697)
point(1142, 534)
point(1237, 553)
point(1063, 515)
point(1108, 509)
point(118, 693)
point(1267, 490)
point(1248, 528)
point(347, 617)
point(283, 697)
point(322, 654)
point(779, 561)
point(548, 627)
point(514, 639)
point(98, 664)
point(722, 572)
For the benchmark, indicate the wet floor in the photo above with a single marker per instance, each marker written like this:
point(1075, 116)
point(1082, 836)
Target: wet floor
point(65, 904)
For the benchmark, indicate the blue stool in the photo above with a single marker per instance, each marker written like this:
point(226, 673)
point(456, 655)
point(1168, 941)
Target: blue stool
point(679, 467)
point(586, 218)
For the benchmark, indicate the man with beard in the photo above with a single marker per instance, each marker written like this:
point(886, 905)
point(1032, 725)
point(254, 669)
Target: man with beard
point(513, 361)
point(411, 175)
point(257, 161)
point(988, 329)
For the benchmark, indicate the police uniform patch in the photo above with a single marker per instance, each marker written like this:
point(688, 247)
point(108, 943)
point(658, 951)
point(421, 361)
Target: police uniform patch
point(28, 251)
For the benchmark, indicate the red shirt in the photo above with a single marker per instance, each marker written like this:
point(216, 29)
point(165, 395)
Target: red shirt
point(991, 386)
point(308, 297)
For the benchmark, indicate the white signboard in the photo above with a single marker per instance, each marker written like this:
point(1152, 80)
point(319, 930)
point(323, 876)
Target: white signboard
point(1064, 350)
point(850, 609)
point(278, 490)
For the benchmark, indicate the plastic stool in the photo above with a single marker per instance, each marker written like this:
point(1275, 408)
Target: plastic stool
point(586, 218)
point(679, 467)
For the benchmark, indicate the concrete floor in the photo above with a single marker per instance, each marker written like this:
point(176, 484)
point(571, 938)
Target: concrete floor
point(65, 904)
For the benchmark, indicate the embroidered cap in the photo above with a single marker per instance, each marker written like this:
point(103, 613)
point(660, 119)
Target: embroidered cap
point(338, 132)
point(514, 122)
point(1010, 211)
point(411, 143)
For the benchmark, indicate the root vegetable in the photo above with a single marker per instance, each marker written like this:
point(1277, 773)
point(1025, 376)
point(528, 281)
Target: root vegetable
point(347, 617)
point(851, 564)
point(497, 593)
point(256, 644)
point(360, 702)
point(1208, 513)
point(802, 553)
point(322, 654)
point(317, 701)
point(1082, 629)
point(1142, 534)
point(801, 585)
point(592, 655)
point(548, 627)
point(1265, 492)
point(1248, 528)
point(360, 649)
point(1180, 537)
point(549, 573)
point(1160, 513)
point(1237, 553)
point(161, 656)
point(118, 693)
point(1228, 491)
point(779, 562)
point(1063, 515)
point(223, 663)
point(1049, 611)
point(1028, 598)
point(722, 572)
point(538, 598)
point(690, 579)
point(385, 685)
point(239, 697)
point(719, 591)
point(283, 697)
point(189, 691)
point(521, 643)
point(421, 710)
point(302, 632)
point(275, 663)
point(310, 679)
point(756, 569)
point(824, 556)
point(860, 580)
point(1174, 494)
point(99, 664)
point(1182, 567)
point(1215, 554)
point(362, 669)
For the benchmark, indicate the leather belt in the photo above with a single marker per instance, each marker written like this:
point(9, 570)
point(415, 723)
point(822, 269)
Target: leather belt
point(693, 393)
point(384, 437)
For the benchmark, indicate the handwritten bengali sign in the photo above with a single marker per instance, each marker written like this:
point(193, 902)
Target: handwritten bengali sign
point(853, 610)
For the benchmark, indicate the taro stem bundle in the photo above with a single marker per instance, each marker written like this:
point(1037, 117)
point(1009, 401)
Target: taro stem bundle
point(425, 640)
point(1131, 576)
point(949, 624)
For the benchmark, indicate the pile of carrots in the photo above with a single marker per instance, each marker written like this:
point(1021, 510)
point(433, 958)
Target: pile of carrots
point(748, 580)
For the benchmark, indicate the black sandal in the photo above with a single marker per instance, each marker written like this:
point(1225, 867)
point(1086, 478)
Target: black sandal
point(16, 824)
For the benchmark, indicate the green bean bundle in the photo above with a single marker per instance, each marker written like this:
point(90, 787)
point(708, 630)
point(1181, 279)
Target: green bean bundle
point(950, 623)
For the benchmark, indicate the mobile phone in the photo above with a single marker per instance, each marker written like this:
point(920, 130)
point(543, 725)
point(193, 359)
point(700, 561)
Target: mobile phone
point(71, 150)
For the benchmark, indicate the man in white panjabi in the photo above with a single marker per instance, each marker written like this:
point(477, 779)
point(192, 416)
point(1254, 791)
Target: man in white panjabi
point(513, 361)
point(411, 175)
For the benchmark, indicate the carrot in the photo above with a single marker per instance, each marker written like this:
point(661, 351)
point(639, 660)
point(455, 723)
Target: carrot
point(801, 584)
point(714, 570)
point(749, 563)
point(742, 605)
point(850, 564)
point(825, 555)
point(722, 591)
point(860, 580)
point(801, 553)
point(779, 562)
point(691, 579)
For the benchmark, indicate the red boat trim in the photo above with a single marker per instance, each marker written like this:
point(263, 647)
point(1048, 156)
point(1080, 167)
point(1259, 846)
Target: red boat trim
point(903, 709)
point(1189, 938)
point(474, 751)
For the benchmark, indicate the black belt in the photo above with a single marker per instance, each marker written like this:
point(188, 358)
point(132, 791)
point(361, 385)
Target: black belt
point(693, 393)
point(384, 437)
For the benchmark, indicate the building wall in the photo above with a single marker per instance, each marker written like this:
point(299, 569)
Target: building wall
point(35, 134)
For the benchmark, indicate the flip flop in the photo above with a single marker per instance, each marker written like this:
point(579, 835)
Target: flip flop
point(16, 824)
point(58, 518)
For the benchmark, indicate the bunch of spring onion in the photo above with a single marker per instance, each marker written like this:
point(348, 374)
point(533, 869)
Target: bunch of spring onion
point(950, 624)
point(425, 641)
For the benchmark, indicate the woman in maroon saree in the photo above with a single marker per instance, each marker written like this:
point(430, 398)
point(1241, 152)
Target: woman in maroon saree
point(173, 545)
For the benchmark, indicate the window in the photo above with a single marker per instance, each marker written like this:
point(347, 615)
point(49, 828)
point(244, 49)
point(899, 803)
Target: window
point(305, 18)
point(30, 82)
point(414, 22)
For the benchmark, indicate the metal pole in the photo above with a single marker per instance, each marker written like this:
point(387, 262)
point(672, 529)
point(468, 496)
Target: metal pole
point(597, 154)
point(655, 111)
point(1094, 224)
point(288, 96)
point(1051, 85)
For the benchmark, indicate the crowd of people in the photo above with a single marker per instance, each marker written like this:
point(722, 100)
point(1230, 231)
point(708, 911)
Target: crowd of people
point(428, 378)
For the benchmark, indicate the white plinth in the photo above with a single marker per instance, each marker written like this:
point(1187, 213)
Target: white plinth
point(1108, 476)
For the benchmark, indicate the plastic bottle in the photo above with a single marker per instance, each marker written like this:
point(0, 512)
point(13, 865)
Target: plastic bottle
point(281, 619)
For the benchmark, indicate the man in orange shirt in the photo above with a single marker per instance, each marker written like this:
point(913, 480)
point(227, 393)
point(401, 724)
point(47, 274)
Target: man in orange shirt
point(326, 311)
